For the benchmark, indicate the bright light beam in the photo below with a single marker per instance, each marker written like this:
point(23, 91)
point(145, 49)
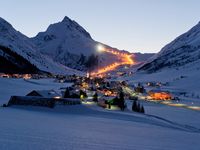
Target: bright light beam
point(100, 48)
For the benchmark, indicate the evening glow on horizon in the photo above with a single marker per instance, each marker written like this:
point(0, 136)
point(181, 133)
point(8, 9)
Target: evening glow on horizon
point(133, 25)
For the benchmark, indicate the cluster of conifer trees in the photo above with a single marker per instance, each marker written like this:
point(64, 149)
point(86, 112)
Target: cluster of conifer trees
point(137, 107)
point(90, 62)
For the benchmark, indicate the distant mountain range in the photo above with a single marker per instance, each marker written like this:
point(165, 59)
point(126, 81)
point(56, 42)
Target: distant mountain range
point(184, 50)
point(64, 45)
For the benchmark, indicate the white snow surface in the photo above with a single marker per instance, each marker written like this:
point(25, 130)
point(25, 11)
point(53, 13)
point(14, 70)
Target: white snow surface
point(185, 78)
point(90, 127)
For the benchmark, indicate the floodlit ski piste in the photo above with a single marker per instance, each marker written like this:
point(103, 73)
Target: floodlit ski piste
point(124, 59)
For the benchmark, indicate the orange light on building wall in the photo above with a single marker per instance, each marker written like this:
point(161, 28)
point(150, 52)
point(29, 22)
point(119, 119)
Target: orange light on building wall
point(160, 96)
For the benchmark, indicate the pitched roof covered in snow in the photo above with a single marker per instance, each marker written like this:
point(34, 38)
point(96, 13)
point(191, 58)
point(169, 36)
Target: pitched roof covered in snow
point(44, 93)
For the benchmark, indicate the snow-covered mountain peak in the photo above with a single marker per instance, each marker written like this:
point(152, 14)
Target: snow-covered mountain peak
point(66, 19)
point(190, 38)
point(7, 30)
point(65, 41)
point(73, 25)
point(4, 24)
point(183, 50)
point(67, 28)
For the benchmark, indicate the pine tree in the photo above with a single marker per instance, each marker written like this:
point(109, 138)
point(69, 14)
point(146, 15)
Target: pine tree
point(91, 62)
point(67, 93)
point(95, 97)
point(121, 101)
point(134, 106)
point(138, 107)
point(108, 84)
point(121, 96)
point(83, 94)
point(142, 110)
point(82, 59)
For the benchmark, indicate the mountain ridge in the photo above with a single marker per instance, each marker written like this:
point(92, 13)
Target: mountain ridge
point(21, 44)
point(182, 50)
point(64, 45)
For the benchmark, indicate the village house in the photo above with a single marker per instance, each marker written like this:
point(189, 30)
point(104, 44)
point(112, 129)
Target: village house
point(45, 98)
point(44, 93)
point(160, 95)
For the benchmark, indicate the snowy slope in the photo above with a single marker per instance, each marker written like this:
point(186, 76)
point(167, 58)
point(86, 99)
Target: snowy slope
point(183, 50)
point(182, 83)
point(184, 79)
point(22, 45)
point(65, 41)
point(177, 64)
point(66, 35)
point(80, 128)
point(83, 129)
point(90, 127)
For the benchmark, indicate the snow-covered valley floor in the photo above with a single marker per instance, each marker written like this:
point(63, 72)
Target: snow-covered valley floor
point(91, 127)
point(80, 127)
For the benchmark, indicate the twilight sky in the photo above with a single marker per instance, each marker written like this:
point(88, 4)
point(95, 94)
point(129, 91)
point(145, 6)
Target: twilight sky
point(133, 25)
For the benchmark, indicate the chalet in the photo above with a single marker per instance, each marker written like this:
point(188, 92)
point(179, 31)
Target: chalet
point(160, 95)
point(108, 92)
point(44, 94)
point(32, 100)
point(40, 101)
